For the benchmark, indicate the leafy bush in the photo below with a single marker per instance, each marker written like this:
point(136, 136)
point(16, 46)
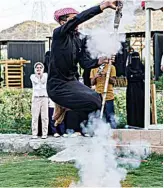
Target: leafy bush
point(44, 151)
point(159, 83)
point(15, 110)
point(120, 108)
point(159, 102)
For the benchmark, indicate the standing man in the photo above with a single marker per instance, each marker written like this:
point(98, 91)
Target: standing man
point(98, 78)
point(39, 100)
point(67, 50)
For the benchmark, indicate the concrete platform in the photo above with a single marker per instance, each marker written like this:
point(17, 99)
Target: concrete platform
point(152, 137)
point(124, 138)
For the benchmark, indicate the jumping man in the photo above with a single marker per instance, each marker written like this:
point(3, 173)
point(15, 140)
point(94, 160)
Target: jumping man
point(67, 51)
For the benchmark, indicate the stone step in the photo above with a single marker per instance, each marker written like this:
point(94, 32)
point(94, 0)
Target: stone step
point(124, 138)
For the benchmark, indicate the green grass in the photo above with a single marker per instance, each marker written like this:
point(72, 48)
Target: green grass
point(33, 171)
point(26, 171)
point(149, 174)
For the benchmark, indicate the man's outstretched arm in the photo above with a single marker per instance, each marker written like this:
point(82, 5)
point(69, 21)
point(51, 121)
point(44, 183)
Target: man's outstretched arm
point(84, 16)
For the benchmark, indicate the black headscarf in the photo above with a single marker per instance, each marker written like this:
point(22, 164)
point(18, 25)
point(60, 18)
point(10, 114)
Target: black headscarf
point(135, 67)
point(135, 62)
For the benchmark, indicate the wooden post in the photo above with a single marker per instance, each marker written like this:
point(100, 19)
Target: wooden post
point(154, 106)
point(21, 67)
point(6, 75)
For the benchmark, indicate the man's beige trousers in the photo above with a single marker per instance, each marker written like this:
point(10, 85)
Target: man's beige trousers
point(40, 105)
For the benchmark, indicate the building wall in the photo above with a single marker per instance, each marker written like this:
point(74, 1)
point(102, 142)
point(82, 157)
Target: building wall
point(28, 50)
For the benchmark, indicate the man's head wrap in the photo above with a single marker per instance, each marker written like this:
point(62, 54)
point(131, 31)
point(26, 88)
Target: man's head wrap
point(63, 12)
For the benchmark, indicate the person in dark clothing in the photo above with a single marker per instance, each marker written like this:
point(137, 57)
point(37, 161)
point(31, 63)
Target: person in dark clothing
point(66, 51)
point(1, 79)
point(86, 77)
point(135, 91)
point(121, 59)
point(72, 121)
point(46, 61)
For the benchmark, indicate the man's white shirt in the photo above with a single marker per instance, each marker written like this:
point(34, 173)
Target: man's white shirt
point(39, 85)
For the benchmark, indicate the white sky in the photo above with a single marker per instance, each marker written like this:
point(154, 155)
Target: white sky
point(16, 11)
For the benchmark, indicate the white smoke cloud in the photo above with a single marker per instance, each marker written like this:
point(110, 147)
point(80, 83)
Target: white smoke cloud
point(129, 11)
point(103, 39)
point(101, 163)
point(133, 154)
point(96, 161)
point(104, 43)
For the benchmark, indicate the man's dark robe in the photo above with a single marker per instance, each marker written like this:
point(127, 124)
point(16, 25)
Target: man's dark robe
point(135, 91)
point(67, 50)
point(86, 77)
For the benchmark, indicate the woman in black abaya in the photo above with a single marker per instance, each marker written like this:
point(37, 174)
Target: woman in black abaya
point(135, 91)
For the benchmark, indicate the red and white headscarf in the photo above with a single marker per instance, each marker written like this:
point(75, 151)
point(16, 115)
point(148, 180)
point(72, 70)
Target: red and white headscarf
point(63, 12)
point(143, 5)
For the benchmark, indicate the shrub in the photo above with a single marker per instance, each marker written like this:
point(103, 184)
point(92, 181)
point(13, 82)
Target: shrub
point(159, 83)
point(15, 110)
point(160, 107)
point(120, 108)
point(44, 151)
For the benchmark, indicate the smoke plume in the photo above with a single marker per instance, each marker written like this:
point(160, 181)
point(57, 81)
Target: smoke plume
point(103, 40)
point(101, 163)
